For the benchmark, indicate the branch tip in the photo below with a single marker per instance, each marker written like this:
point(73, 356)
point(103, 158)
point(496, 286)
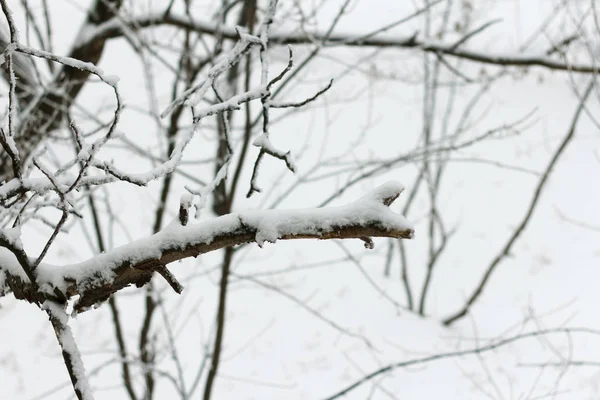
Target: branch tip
point(170, 278)
point(368, 242)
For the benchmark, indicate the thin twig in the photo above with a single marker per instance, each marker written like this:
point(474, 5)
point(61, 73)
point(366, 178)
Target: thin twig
point(461, 353)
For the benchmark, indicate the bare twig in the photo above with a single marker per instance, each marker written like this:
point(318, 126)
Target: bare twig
point(303, 102)
point(306, 307)
point(461, 353)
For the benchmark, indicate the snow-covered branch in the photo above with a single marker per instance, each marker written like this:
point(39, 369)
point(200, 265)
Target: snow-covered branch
point(70, 351)
point(96, 279)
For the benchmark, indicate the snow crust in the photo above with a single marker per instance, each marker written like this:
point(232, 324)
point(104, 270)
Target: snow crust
point(275, 224)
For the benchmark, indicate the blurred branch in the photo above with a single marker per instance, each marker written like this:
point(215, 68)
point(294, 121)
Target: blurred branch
point(114, 308)
point(44, 111)
point(505, 251)
point(223, 199)
point(460, 353)
point(114, 29)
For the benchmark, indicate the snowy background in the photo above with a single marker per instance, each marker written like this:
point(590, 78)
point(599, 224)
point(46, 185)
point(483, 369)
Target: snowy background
point(275, 346)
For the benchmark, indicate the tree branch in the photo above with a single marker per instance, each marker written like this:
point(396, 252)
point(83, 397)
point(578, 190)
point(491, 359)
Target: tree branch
point(114, 29)
point(96, 279)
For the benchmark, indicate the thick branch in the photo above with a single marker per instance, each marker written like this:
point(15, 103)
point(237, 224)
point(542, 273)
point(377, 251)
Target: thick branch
point(114, 28)
point(98, 278)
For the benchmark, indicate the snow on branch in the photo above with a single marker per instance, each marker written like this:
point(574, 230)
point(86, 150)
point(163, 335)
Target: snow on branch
point(70, 351)
point(96, 279)
point(246, 42)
